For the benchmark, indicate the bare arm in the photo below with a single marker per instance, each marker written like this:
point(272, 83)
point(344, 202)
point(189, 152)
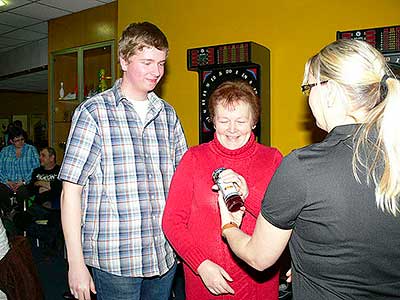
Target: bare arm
point(262, 249)
point(79, 279)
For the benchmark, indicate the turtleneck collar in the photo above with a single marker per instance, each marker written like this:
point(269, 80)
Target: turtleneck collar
point(245, 151)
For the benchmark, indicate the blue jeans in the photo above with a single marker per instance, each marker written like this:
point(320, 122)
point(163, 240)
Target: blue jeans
point(112, 287)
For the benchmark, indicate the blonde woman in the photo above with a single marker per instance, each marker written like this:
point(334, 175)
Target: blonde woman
point(336, 202)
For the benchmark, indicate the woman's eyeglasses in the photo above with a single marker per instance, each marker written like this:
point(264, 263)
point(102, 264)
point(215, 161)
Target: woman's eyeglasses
point(18, 140)
point(306, 88)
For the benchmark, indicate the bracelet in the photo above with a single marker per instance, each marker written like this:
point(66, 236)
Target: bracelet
point(229, 225)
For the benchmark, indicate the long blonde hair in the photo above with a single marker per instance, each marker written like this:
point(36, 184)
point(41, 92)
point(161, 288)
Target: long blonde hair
point(362, 76)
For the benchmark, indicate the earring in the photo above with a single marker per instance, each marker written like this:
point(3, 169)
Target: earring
point(253, 127)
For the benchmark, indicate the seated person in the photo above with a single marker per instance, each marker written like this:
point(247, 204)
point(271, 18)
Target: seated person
point(44, 183)
point(18, 123)
point(46, 189)
point(17, 161)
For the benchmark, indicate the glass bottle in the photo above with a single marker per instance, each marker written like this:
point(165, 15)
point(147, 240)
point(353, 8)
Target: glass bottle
point(229, 191)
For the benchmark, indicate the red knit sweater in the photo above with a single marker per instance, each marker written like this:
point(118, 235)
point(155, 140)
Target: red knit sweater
point(192, 223)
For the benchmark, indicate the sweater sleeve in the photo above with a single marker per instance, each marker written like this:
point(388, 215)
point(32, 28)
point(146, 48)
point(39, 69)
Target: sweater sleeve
point(257, 192)
point(177, 213)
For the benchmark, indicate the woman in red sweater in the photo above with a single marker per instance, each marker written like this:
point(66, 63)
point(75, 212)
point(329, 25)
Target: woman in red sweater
point(191, 219)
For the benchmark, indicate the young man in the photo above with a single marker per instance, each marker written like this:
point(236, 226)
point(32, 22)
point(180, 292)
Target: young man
point(123, 148)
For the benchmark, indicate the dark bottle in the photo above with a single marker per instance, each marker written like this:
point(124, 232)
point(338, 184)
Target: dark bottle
point(229, 191)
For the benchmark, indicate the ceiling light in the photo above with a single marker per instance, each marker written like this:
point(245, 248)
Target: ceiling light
point(3, 2)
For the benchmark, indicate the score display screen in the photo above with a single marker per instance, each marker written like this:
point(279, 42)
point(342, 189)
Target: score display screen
point(217, 55)
point(384, 39)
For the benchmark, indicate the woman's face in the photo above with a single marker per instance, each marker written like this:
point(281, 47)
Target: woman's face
point(233, 124)
point(18, 142)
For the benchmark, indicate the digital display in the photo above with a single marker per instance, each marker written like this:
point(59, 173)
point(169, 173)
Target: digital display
point(219, 55)
point(384, 39)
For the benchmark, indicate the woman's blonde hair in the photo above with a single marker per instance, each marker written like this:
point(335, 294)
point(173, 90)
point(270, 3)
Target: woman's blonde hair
point(364, 79)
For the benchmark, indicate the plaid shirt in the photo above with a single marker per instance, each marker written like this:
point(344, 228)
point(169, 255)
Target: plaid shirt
point(126, 169)
point(17, 169)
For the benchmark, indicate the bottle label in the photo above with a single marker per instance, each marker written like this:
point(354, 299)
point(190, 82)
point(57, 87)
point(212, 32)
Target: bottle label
point(228, 189)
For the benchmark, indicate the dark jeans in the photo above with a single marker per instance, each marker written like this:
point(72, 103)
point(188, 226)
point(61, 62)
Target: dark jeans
point(112, 287)
point(6, 193)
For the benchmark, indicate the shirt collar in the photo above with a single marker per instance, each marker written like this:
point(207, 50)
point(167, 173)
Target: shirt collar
point(341, 133)
point(155, 102)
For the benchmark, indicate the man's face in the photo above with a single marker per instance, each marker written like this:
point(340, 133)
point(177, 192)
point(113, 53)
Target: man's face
point(143, 71)
point(45, 159)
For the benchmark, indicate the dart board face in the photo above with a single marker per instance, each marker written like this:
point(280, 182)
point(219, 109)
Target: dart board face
point(210, 80)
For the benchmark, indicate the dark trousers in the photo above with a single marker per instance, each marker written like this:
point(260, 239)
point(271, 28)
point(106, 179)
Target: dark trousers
point(6, 193)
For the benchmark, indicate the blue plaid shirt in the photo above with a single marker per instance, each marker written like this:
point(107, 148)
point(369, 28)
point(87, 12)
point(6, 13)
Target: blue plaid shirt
point(17, 169)
point(125, 169)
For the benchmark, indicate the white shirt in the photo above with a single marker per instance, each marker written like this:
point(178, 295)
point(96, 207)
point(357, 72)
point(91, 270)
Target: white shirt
point(140, 108)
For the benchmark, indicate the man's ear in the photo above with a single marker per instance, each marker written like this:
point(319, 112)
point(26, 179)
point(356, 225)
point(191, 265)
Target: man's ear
point(123, 63)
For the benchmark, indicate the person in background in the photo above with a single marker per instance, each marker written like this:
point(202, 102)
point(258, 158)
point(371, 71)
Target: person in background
point(46, 190)
point(17, 161)
point(337, 202)
point(6, 133)
point(122, 150)
point(191, 218)
point(18, 124)
point(44, 184)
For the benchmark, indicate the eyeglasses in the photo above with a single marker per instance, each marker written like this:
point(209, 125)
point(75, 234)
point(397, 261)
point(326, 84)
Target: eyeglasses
point(306, 88)
point(18, 140)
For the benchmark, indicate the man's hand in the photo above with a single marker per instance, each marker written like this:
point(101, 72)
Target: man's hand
point(215, 278)
point(43, 185)
point(80, 282)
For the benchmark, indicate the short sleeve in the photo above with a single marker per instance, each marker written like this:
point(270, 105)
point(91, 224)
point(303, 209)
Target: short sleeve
point(83, 148)
point(286, 194)
point(180, 142)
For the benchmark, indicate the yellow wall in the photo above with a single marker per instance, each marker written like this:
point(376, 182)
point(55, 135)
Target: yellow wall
point(292, 30)
point(86, 27)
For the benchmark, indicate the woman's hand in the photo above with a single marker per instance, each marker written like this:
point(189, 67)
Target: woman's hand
point(226, 215)
point(229, 175)
point(12, 185)
point(215, 278)
point(289, 276)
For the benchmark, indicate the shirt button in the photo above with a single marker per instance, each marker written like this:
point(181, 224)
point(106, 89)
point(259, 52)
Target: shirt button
point(150, 176)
